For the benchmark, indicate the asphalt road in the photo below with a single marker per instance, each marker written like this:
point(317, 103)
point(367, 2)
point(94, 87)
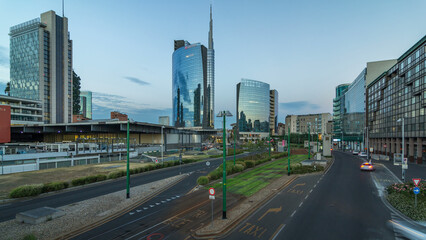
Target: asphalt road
point(343, 204)
point(9, 211)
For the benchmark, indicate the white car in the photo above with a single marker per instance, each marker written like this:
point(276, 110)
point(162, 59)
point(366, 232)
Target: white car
point(362, 154)
point(355, 152)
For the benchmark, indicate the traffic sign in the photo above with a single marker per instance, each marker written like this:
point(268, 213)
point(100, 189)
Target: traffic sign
point(416, 190)
point(384, 146)
point(211, 191)
point(208, 164)
point(211, 197)
point(416, 181)
point(156, 160)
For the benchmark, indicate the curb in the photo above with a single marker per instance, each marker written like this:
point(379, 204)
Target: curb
point(240, 218)
point(111, 217)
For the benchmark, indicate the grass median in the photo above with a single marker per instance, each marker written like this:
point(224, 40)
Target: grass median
point(251, 181)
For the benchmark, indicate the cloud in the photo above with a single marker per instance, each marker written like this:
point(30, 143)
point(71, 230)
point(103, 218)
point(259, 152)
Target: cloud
point(4, 57)
point(297, 108)
point(137, 81)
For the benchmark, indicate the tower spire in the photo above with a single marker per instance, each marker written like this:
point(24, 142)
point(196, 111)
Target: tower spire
point(211, 29)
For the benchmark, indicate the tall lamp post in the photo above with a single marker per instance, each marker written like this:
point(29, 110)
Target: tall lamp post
point(235, 143)
point(288, 154)
point(224, 114)
point(403, 149)
point(309, 140)
point(128, 160)
point(162, 146)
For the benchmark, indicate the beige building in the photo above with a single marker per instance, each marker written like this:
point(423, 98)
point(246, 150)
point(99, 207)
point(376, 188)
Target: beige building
point(314, 123)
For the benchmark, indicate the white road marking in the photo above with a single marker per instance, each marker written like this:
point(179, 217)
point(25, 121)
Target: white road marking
point(145, 208)
point(293, 213)
point(151, 205)
point(300, 204)
point(168, 199)
point(138, 210)
point(157, 203)
point(310, 191)
point(315, 185)
point(131, 213)
point(278, 232)
point(306, 196)
point(163, 201)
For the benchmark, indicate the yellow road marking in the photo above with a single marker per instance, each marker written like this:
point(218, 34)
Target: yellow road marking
point(275, 210)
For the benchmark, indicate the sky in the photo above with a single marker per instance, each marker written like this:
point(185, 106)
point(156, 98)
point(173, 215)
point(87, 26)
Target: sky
point(122, 50)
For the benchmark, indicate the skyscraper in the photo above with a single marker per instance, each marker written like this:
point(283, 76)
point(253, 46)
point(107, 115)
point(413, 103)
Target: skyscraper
point(189, 80)
point(253, 102)
point(209, 120)
point(41, 65)
point(193, 83)
point(86, 104)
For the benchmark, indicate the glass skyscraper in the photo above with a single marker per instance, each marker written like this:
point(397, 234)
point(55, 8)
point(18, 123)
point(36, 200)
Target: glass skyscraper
point(193, 83)
point(41, 65)
point(86, 104)
point(253, 111)
point(189, 78)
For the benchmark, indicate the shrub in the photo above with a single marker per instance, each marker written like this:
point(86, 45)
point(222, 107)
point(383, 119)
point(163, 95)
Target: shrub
point(26, 191)
point(306, 169)
point(216, 174)
point(249, 163)
point(241, 163)
point(101, 177)
point(238, 168)
point(203, 180)
point(114, 175)
point(78, 181)
point(54, 186)
point(151, 167)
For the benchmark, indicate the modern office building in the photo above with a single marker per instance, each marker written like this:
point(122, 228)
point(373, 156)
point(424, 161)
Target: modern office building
point(338, 108)
point(193, 83)
point(86, 104)
point(313, 123)
point(399, 96)
point(273, 111)
point(41, 65)
point(23, 111)
point(253, 110)
point(189, 78)
point(164, 120)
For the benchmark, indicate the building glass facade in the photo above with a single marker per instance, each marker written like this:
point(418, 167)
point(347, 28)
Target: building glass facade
point(354, 112)
point(189, 78)
point(399, 93)
point(41, 65)
point(209, 119)
point(338, 109)
point(253, 99)
point(24, 60)
point(86, 104)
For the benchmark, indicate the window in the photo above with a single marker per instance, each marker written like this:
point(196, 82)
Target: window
point(418, 53)
point(409, 60)
point(416, 83)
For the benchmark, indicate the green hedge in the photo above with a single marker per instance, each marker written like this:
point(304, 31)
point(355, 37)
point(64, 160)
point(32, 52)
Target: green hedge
point(250, 163)
point(30, 237)
point(36, 189)
point(203, 180)
point(306, 169)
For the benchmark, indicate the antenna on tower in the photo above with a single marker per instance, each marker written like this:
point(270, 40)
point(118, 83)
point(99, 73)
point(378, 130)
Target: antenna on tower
point(63, 8)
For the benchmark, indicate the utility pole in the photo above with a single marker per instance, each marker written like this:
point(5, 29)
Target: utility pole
point(309, 140)
point(288, 154)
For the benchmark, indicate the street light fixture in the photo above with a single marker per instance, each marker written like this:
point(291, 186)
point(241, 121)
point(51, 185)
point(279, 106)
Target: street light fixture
point(224, 114)
point(403, 149)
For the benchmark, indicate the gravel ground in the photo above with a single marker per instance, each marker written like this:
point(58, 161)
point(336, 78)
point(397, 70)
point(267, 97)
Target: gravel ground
point(83, 213)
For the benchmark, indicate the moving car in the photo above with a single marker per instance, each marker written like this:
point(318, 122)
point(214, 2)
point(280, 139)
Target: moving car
point(355, 152)
point(367, 167)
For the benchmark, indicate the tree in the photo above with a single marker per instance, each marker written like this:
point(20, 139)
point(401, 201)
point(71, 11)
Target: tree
point(7, 89)
point(76, 82)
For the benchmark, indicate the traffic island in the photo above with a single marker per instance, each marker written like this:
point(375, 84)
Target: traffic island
point(221, 227)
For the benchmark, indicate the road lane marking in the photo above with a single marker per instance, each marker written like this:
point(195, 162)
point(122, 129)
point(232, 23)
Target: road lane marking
point(300, 204)
point(163, 201)
point(145, 208)
point(131, 213)
point(151, 205)
point(138, 210)
point(293, 213)
point(253, 230)
point(168, 199)
point(310, 191)
point(279, 229)
point(306, 196)
point(157, 203)
point(275, 210)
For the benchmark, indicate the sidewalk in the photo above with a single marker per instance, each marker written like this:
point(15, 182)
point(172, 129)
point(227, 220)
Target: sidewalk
point(414, 170)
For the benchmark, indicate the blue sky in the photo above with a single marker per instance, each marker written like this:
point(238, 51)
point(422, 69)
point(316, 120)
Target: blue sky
point(123, 49)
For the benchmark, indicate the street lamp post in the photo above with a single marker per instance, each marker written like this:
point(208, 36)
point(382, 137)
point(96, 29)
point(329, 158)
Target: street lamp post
point(309, 140)
point(2, 159)
point(288, 154)
point(403, 149)
point(269, 143)
point(128, 160)
point(235, 143)
point(162, 146)
point(224, 114)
